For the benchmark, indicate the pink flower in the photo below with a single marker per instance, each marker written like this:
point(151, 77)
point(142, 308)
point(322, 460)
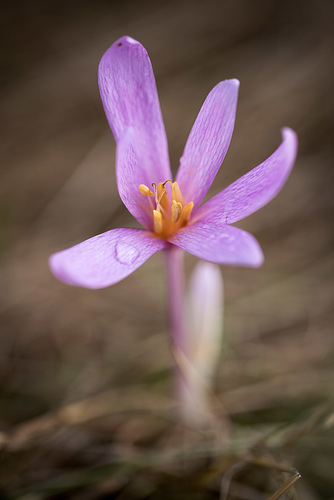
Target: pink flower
point(170, 211)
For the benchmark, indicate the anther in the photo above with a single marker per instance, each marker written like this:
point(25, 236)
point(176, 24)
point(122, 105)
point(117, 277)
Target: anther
point(157, 222)
point(176, 193)
point(145, 191)
point(176, 210)
point(186, 212)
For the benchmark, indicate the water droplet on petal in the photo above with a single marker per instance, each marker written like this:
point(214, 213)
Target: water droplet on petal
point(125, 253)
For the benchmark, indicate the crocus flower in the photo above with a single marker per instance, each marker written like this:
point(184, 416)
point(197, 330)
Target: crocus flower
point(204, 319)
point(171, 212)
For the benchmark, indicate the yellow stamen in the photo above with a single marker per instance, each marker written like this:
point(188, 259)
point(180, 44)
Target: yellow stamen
point(169, 214)
point(145, 191)
point(176, 193)
point(186, 212)
point(162, 196)
point(157, 222)
point(176, 210)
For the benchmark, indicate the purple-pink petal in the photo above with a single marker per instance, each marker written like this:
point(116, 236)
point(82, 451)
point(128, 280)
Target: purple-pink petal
point(130, 100)
point(105, 259)
point(129, 176)
point(208, 141)
point(256, 188)
point(219, 243)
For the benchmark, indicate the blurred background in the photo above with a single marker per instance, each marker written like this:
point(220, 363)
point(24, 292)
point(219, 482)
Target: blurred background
point(86, 407)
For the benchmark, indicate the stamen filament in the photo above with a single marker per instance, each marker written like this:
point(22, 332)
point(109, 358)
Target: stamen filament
point(155, 192)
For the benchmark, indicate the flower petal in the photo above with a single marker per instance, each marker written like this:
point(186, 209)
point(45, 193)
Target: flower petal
point(105, 259)
point(256, 188)
point(130, 99)
point(208, 141)
point(219, 243)
point(129, 176)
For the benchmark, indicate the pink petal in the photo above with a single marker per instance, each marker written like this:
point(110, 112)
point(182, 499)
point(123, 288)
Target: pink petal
point(208, 141)
point(105, 259)
point(256, 188)
point(130, 100)
point(219, 243)
point(129, 176)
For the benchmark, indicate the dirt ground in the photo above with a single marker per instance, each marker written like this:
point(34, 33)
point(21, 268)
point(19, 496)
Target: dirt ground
point(86, 407)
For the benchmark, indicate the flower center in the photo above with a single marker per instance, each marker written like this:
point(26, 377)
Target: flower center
point(169, 215)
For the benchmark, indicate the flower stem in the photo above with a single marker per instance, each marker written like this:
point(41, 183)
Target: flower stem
point(175, 295)
point(190, 392)
point(175, 313)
